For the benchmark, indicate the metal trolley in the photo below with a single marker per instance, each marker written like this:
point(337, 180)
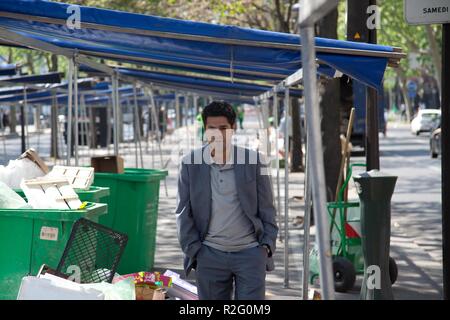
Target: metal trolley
point(346, 242)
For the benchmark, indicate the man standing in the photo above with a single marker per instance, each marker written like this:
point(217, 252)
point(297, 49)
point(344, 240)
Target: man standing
point(225, 213)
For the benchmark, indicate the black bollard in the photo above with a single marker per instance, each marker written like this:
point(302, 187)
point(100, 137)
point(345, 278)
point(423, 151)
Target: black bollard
point(375, 191)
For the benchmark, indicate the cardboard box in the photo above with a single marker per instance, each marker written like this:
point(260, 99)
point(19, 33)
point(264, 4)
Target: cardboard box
point(32, 155)
point(144, 292)
point(110, 164)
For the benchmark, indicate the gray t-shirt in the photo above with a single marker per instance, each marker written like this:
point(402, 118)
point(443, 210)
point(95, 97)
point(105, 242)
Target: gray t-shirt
point(230, 230)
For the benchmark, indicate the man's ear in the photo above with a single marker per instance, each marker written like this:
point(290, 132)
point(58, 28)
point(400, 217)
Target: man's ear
point(234, 126)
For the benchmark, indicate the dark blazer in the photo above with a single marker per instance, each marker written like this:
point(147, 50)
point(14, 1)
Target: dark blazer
point(194, 201)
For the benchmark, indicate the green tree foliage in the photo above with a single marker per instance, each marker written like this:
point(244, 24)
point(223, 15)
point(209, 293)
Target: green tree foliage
point(415, 40)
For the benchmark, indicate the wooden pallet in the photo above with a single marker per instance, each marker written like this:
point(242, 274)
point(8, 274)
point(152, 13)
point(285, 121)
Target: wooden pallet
point(49, 193)
point(79, 177)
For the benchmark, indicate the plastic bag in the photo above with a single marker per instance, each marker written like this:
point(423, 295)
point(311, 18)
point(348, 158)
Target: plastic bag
point(123, 290)
point(49, 287)
point(9, 199)
point(17, 170)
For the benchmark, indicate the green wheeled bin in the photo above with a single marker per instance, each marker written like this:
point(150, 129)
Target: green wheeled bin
point(133, 210)
point(93, 194)
point(30, 238)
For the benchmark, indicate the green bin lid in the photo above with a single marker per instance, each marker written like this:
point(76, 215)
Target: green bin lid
point(134, 175)
point(92, 209)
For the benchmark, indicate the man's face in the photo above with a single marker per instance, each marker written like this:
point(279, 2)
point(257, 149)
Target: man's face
point(219, 131)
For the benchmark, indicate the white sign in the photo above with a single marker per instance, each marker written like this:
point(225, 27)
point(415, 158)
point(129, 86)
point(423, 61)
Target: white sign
point(312, 11)
point(48, 233)
point(427, 12)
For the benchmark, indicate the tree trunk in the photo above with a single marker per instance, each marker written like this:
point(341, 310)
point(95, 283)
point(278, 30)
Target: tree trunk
point(330, 109)
point(30, 63)
point(10, 56)
point(403, 89)
point(330, 125)
point(297, 152)
point(436, 57)
point(54, 63)
point(13, 120)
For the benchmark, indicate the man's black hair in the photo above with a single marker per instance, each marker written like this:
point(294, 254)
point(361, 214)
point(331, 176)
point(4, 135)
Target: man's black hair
point(218, 109)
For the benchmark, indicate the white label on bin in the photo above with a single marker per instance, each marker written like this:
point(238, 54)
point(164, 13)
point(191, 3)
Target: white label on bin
point(48, 233)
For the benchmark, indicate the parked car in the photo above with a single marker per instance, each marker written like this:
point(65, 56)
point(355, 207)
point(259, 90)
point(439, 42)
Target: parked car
point(425, 121)
point(435, 142)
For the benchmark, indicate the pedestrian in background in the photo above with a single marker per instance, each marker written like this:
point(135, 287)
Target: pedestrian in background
point(240, 115)
point(201, 128)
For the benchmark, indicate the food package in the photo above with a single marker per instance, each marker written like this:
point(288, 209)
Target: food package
point(155, 279)
point(145, 292)
point(149, 285)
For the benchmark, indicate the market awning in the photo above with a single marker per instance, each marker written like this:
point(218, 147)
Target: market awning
point(45, 96)
point(52, 77)
point(8, 70)
point(218, 49)
point(191, 83)
point(14, 90)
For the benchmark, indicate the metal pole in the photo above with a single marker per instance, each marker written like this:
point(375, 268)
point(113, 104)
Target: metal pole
point(445, 125)
point(119, 123)
point(136, 156)
point(84, 125)
point(69, 113)
point(38, 129)
point(372, 139)
point(115, 101)
point(75, 84)
point(306, 226)
point(109, 106)
point(317, 170)
point(195, 108)
point(153, 133)
point(4, 141)
point(22, 127)
point(58, 138)
point(194, 122)
point(177, 109)
point(137, 125)
point(22, 119)
point(25, 115)
point(258, 112)
point(159, 140)
point(186, 108)
point(277, 159)
point(286, 188)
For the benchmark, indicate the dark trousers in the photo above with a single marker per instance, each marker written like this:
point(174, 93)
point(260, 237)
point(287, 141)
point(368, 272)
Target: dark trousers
point(218, 272)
